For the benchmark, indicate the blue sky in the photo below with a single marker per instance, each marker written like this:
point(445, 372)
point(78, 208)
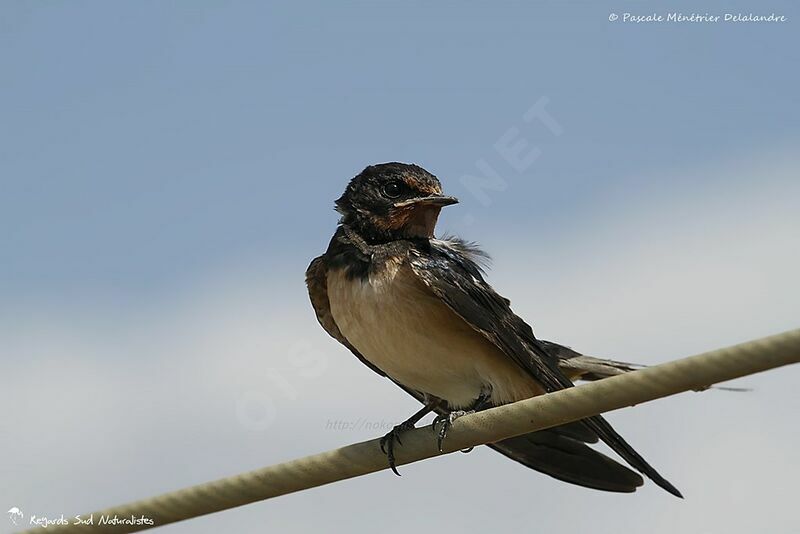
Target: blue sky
point(143, 140)
point(168, 169)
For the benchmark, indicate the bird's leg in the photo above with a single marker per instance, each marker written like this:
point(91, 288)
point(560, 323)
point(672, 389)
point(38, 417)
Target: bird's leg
point(387, 441)
point(446, 420)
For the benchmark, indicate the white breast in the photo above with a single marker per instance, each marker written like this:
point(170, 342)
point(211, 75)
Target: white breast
point(412, 336)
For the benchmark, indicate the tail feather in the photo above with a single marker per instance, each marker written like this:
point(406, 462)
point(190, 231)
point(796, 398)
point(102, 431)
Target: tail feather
point(621, 447)
point(578, 366)
point(569, 460)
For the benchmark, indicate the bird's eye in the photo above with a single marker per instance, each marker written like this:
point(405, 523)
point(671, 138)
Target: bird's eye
point(392, 190)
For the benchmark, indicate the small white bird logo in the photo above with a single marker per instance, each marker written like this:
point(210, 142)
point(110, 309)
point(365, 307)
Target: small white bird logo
point(15, 513)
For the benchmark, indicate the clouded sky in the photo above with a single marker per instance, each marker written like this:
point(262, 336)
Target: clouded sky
point(167, 171)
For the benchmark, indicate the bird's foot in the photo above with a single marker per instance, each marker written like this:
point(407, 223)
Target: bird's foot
point(444, 422)
point(387, 443)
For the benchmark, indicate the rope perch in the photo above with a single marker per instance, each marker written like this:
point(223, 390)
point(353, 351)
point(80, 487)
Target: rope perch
point(553, 409)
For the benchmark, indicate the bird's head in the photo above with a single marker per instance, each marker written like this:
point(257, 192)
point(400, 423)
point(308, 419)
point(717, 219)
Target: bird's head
point(393, 201)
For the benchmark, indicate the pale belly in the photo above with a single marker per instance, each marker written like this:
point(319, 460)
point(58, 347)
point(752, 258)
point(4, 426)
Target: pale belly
point(413, 337)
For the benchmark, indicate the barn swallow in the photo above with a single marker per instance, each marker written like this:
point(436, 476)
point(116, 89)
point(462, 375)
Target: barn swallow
point(416, 309)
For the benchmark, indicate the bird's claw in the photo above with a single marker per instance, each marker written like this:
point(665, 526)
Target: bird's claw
point(445, 422)
point(387, 444)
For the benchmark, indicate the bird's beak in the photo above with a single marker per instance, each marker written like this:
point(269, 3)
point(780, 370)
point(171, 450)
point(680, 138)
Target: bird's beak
point(438, 201)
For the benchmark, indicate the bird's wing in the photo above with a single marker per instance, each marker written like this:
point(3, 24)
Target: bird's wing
point(449, 271)
point(317, 283)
